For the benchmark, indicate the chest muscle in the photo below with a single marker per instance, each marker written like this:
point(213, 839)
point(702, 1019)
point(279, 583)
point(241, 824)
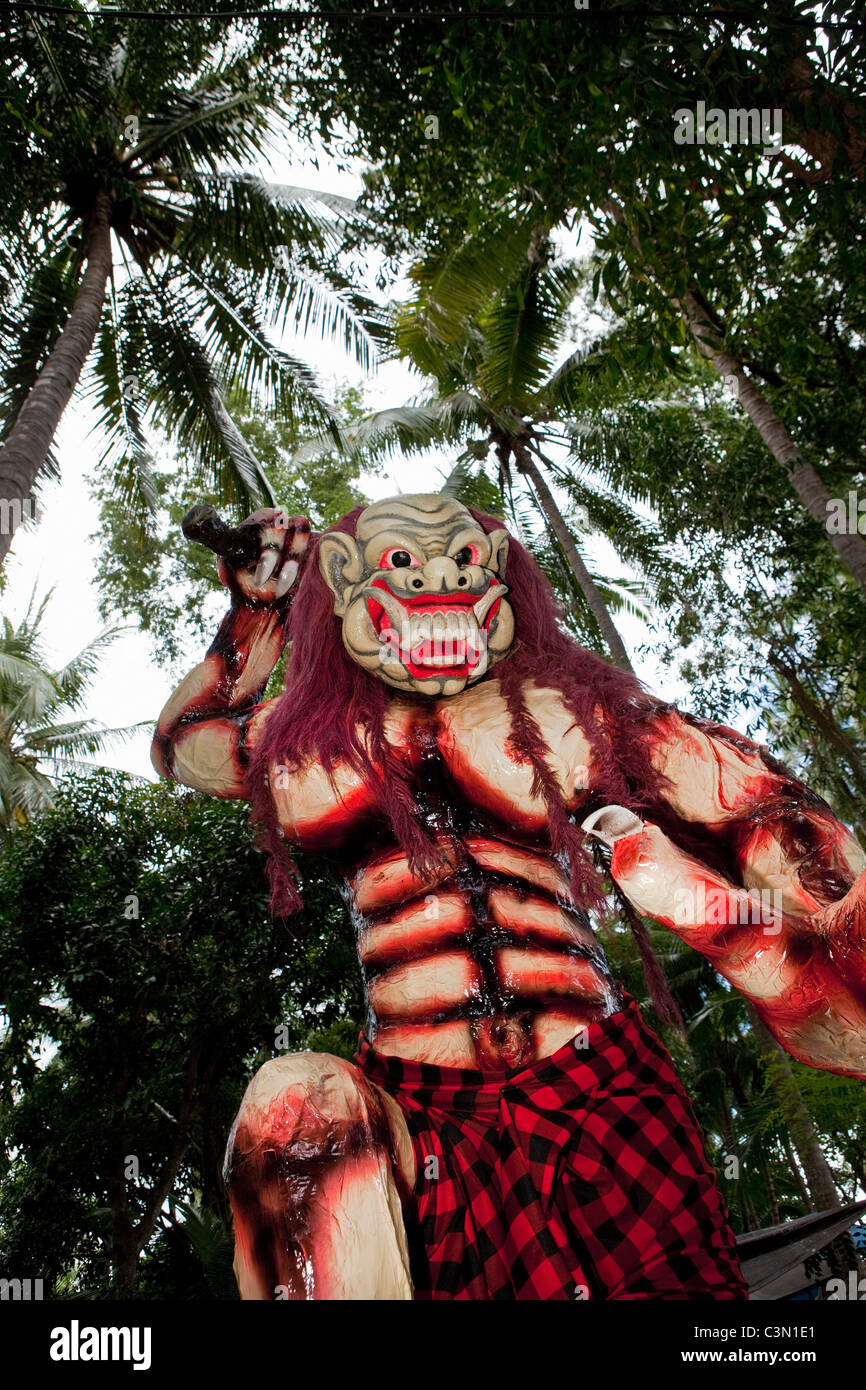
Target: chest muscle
point(469, 736)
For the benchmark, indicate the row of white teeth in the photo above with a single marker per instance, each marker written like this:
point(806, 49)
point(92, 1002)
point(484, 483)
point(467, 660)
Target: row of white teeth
point(429, 642)
point(442, 649)
point(424, 627)
point(446, 637)
point(400, 615)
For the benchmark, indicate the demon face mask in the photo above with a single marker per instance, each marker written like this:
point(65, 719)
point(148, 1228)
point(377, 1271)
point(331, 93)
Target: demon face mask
point(420, 594)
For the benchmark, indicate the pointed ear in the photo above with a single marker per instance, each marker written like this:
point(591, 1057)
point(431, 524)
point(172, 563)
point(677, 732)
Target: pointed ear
point(341, 566)
point(498, 551)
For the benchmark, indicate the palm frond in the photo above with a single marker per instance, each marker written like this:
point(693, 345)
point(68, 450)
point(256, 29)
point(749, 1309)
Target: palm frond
point(242, 352)
point(633, 537)
point(73, 678)
point(78, 736)
point(35, 735)
point(24, 791)
point(119, 399)
point(32, 325)
point(454, 290)
point(469, 484)
point(522, 333)
point(219, 120)
point(18, 671)
point(187, 400)
point(623, 595)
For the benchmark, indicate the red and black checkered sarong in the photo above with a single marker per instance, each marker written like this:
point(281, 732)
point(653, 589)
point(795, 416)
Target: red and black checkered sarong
point(582, 1175)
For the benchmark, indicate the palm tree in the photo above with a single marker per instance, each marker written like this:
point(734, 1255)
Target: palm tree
point(682, 454)
point(131, 226)
point(38, 738)
point(488, 325)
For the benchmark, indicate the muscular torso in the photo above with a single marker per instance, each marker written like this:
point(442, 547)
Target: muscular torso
point(481, 962)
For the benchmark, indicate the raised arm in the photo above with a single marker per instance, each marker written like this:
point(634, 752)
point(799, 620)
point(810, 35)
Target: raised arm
point(787, 925)
point(208, 728)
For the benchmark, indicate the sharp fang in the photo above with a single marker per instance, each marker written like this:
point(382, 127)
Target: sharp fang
point(486, 602)
point(392, 606)
point(287, 578)
point(266, 566)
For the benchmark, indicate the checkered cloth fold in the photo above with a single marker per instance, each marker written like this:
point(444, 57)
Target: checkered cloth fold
point(580, 1176)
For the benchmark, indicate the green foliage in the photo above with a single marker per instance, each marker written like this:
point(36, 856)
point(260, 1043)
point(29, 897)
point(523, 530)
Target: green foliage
point(38, 737)
point(171, 587)
point(554, 121)
point(143, 982)
point(547, 124)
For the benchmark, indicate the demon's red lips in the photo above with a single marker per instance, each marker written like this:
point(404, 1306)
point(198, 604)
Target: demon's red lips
point(435, 634)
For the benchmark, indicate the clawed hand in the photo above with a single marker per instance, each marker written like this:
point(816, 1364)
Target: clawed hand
point(260, 559)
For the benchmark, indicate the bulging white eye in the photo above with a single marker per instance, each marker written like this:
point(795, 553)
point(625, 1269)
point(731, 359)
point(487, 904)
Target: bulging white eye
point(398, 559)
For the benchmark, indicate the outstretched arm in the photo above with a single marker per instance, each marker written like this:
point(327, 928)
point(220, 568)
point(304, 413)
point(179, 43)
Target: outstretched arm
point(206, 731)
point(788, 928)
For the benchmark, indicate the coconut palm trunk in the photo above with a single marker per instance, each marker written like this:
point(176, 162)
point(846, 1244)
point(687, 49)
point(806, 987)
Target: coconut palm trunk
point(819, 1175)
point(586, 583)
point(26, 447)
point(850, 547)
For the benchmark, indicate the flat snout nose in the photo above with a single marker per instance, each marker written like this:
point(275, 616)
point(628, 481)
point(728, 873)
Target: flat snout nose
point(437, 576)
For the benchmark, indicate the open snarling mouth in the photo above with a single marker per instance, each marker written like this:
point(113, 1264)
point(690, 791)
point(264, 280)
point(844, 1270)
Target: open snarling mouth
point(434, 634)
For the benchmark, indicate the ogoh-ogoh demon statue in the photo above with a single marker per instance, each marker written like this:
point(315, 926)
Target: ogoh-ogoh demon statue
point(512, 1129)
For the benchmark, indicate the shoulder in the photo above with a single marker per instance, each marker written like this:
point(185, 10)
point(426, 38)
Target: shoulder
point(710, 773)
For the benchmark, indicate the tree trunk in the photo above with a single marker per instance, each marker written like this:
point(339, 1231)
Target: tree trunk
point(856, 1158)
point(125, 1269)
point(772, 1201)
point(850, 547)
point(819, 1176)
point(23, 454)
point(123, 1247)
point(797, 1173)
point(750, 1215)
point(586, 583)
point(822, 720)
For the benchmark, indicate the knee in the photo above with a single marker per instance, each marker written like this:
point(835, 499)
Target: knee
point(329, 1086)
point(308, 1105)
point(331, 1078)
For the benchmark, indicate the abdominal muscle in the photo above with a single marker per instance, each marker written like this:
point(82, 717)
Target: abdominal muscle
point(494, 1043)
point(486, 968)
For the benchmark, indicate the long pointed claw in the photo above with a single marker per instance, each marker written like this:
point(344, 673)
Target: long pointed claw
point(287, 578)
point(265, 568)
